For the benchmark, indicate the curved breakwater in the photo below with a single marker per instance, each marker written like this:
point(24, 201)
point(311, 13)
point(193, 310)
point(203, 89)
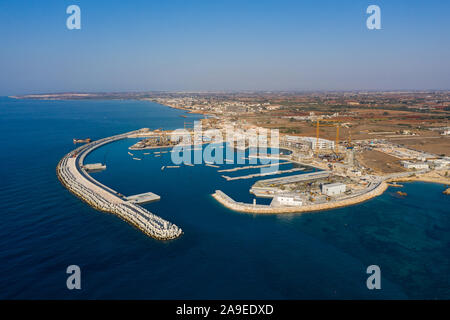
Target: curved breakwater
point(228, 202)
point(72, 175)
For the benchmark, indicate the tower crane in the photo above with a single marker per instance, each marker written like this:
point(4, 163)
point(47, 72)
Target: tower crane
point(318, 125)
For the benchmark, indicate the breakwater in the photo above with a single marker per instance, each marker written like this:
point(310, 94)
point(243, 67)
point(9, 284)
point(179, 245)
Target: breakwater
point(74, 177)
point(367, 194)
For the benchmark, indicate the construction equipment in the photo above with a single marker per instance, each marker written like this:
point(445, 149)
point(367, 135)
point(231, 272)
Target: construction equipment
point(318, 124)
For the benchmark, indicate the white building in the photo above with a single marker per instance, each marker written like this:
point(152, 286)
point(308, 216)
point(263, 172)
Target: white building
point(333, 189)
point(289, 200)
point(322, 143)
point(415, 165)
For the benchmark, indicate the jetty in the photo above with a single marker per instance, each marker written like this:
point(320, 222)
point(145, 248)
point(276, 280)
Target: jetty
point(143, 198)
point(70, 171)
point(250, 176)
point(254, 167)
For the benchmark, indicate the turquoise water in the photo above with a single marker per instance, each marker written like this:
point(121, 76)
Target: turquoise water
point(222, 254)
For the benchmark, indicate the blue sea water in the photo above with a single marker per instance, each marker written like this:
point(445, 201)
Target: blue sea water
point(222, 254)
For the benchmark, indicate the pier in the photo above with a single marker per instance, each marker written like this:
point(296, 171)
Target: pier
point(296, 178)
point(144, 198)
point(250, 176)
point(72, 174)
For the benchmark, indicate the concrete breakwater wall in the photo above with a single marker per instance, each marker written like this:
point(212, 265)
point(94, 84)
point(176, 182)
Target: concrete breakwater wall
point(250, 208)
point(72, 175)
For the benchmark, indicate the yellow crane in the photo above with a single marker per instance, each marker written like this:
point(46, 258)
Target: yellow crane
point(318, 124)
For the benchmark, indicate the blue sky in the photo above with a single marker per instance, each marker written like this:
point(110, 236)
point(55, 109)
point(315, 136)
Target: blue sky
point(223, 45)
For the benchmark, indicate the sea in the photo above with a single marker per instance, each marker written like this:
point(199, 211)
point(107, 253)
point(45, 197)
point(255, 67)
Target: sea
point(222, 254)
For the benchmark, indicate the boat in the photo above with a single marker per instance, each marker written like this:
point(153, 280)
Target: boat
point(130, 154)
point(136, 159)
point(403, 194)
point(88, 140)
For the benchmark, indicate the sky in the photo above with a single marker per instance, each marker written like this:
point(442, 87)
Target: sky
point(223, 45)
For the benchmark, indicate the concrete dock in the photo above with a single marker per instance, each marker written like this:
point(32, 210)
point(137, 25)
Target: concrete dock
point(94, 167)
point(296, 178)
point(372, 191)
point(143, 198)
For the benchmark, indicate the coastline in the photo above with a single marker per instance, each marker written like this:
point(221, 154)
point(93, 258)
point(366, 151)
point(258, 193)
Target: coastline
point(432, 177)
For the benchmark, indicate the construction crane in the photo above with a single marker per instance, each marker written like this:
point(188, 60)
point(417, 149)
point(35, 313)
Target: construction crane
point(318, 124)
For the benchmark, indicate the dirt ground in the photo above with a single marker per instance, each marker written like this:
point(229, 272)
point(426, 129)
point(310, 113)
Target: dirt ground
point(380, 162)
